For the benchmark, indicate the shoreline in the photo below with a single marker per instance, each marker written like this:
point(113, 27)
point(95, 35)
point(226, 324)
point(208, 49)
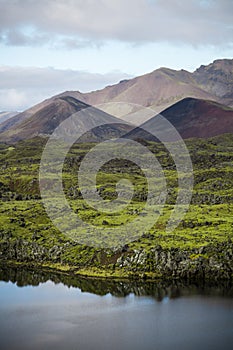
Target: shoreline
point(211, 263)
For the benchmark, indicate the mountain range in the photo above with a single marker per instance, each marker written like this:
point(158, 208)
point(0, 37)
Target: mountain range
point(198, 104)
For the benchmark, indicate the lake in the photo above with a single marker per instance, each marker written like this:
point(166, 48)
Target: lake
point(43, 310)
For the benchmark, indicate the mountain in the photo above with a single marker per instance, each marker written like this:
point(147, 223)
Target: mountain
point(20, 117)
point(45, 119)
point(217, 79)
point(157, 90)
point(192, 118)
point(163, 87)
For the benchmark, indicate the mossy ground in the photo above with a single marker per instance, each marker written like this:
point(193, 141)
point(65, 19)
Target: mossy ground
point(209, 219)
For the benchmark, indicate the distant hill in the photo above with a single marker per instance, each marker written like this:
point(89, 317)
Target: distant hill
point(44, 120)
point(163, 87)
point(20, 117)
point(192, 118)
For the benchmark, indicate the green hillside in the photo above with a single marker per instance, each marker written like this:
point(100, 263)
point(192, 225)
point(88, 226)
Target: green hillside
point(201, 246)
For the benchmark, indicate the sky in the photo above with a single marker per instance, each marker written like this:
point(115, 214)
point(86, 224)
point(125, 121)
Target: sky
point(50, 46)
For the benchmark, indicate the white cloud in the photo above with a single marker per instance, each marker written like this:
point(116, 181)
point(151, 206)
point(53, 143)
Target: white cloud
point(79, 23)
point(22, 87)
point(11, 99)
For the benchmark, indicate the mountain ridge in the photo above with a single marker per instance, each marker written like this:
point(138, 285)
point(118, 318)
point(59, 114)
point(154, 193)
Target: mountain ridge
point(191, 118)
point(157, 91)
point(45, 120)
point(164, 86)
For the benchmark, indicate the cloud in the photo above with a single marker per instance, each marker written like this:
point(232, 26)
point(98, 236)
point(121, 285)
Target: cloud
point(12, 99)
point(22, 87)
point(79, 23)
point(19, 38)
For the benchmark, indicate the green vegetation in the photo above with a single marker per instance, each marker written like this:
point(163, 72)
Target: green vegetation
point(27, 236)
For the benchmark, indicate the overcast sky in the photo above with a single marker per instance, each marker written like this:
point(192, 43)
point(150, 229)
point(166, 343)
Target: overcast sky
point(49, 46)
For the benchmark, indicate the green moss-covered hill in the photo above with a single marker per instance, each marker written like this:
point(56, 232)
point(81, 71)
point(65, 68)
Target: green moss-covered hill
point(200, 247)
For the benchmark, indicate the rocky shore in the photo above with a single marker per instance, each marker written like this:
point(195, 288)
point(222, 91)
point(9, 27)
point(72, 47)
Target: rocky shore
point(211, 262)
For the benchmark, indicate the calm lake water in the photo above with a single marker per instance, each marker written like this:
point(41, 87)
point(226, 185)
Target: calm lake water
point(43, 311)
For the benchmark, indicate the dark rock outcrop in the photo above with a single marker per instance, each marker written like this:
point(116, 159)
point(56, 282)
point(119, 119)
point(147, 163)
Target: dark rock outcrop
point(210, 262)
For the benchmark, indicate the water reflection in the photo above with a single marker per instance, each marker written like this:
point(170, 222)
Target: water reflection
point(59, 311)
point(159, 290)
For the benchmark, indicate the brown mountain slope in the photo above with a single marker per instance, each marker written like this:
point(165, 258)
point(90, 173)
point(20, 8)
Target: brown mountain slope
point(45, 120)
point(154, 89)
point(157, 90)
point(20, 117)
point(163, 87)
point(192, 118)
